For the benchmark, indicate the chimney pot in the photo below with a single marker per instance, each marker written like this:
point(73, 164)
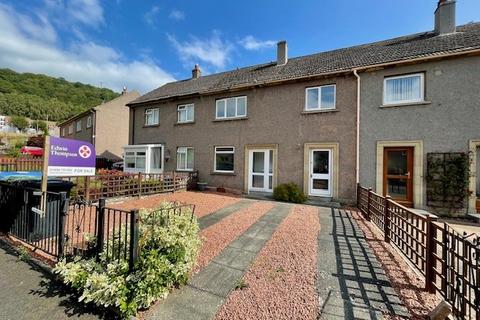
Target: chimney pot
point(196, 72)
point(124, 91)
point(282, 53)
point(445, 17)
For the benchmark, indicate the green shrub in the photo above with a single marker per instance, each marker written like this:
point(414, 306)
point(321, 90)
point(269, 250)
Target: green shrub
point(168, 247)
point(289, 192)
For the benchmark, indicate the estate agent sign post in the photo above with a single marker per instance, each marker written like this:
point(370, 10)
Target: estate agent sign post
point(65, 158)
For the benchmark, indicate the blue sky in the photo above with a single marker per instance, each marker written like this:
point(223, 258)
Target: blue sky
point(143, 44)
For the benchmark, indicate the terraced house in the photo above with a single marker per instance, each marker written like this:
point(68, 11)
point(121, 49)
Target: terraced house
point(103, 126)
point(324, 121)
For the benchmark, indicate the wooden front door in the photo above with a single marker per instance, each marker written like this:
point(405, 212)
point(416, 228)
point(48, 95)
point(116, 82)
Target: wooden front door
point(398, 174)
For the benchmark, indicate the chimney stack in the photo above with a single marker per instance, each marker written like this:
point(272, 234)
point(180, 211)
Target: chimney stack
point(282, 53)
point(124, 91)
point(445, 17)
point(196, 72)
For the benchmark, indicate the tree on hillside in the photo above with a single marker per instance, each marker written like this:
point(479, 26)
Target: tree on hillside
point(40, 125)
point(21, 123)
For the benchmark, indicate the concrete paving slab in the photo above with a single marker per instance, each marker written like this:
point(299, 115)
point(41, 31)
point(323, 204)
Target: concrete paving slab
point(217, 279)
point(214, 217)
point(184, 303)
point(352, 283)
point(236, 258)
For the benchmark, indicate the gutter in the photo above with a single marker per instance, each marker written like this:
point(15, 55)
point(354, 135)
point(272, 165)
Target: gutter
point(357, 164)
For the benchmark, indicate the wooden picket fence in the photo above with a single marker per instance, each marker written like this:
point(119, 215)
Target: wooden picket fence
point(120, 184)
point(449, 260)
point(21, 164)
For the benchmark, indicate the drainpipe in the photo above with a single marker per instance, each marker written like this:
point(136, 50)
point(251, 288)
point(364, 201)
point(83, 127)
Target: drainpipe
point(94, 125)
point(357, 176)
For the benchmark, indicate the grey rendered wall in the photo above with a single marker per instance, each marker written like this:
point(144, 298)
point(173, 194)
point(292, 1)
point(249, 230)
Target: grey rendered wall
point(444, 125)
point(85, 134)
point(274, 117)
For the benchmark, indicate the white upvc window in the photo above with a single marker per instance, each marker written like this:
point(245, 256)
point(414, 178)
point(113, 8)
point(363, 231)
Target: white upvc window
point(224, 159)
point(320, 98)
point(79, 125)
point(404, 89)
point(231, 108)
point(185, 113)
point(151, 117)
point(143, 158)
point(70, 129)
point(185, 159)
point(135, 160)
point(89, 122)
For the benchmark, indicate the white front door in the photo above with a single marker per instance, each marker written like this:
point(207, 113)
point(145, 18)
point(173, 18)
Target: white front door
point(260, 167)
point(320, 183)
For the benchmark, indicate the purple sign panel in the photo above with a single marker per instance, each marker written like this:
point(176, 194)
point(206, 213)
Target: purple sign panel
point(70, 158)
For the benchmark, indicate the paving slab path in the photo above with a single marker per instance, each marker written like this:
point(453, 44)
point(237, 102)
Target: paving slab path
point(214, 217)
point(207, 290)
point(352, 283)
point(26, 292)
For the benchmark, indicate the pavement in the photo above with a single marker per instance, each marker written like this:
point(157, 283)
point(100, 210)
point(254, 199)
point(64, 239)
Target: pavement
point(351, 282)
point(27, 292)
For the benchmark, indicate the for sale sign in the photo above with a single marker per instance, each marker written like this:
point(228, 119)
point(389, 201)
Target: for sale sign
point(68, 157)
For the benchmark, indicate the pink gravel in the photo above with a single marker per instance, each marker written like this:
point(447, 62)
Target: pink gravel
point(281, 282)
point(408, 285)
point(216, 237)
point(205, 202)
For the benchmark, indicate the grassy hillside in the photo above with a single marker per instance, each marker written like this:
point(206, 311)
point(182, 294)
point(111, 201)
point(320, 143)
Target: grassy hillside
point(36, 95)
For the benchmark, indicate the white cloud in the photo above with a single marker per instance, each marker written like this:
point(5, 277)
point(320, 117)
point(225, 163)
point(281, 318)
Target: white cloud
point(251, 43)
point(23, 50)
point(151, 15)
point(86, 12)
point(213, 50)
point(176, 15)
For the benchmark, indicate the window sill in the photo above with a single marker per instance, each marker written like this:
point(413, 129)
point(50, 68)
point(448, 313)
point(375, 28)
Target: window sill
point(216, 173)
point(420, 103)
point(230, 119)
point(151, 125)
point(184, 170)
point(319, 111)
point(183, 123)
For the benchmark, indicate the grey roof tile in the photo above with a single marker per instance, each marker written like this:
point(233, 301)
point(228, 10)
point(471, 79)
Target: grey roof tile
point(418, 45)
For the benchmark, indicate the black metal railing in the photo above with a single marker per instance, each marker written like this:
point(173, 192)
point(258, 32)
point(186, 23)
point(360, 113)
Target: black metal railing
point(22, 217)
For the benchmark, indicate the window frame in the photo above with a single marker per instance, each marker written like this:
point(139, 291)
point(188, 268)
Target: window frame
point(135, 157)
point(185, 106)
point(225, 117)
point(78, 126)
point(319, 102)
point(186, 159)
point(70, 128)
point(153, 110)
point(89, 122)
point(403, 102)
point(223, 152)
point(64, 131)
